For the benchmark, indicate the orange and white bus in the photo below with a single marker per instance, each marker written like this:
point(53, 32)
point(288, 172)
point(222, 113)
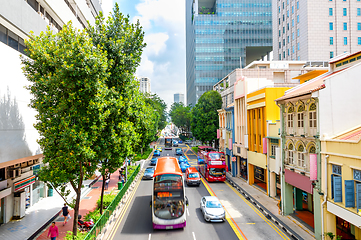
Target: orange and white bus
point(168, 197)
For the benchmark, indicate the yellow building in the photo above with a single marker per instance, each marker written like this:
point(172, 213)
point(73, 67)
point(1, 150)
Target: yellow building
point(341, 157)
point(261, 108)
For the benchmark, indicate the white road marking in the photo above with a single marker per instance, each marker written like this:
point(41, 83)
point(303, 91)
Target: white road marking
point(187, 212)
point(194, 236)
point(150, 235)
point(231, 210)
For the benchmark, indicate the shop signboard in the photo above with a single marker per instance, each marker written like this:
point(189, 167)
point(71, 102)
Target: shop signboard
point(24, 183)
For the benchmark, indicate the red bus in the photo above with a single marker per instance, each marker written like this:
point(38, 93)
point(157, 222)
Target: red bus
point(168, 196)
point(202, 152)
point(214, 167)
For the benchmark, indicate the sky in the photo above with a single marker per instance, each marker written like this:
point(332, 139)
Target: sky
point(163, 60)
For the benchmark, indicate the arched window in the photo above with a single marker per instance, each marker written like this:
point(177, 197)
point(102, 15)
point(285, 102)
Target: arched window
point(312, 115)
point(301, 156)
point(290, 111)
point(289, 154)
point(300, 110)
point(312, 149)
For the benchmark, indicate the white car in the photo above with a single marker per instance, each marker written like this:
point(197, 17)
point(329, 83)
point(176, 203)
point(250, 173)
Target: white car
point(212, 209)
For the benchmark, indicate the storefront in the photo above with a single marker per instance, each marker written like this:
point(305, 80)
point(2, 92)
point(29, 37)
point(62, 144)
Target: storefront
point(260, 178)
point(243, 168)
point(22, 196)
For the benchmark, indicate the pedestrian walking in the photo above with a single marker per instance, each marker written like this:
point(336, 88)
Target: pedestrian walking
point(65, 213)
point(107, 183)
point(53, 231)
point(122, 179)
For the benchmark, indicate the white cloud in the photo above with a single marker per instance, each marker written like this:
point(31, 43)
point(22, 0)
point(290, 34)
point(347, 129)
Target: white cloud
point(107, 6)
point(146, 67)
point(156, 43)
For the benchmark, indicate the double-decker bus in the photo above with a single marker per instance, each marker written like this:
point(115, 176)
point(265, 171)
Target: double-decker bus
point(168, 197)
point(168, 142)
point(202, 153)
point(214, 167)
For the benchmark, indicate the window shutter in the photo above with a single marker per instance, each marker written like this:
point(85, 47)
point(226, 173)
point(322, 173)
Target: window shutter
point(332, 195)
point(358, 197)
point(337, 188)
point(349, 193)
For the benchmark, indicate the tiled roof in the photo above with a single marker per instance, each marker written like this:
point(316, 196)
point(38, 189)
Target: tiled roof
point(353, 135)
point(308, 87)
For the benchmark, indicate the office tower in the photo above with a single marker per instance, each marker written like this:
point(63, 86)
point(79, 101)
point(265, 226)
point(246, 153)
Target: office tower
point(20, 154)
point(315, 30)
point(144, 85)
point(179, 98)
point(219, 35)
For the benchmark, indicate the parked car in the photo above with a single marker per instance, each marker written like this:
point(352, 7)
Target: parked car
point(212, 209)
point(184, 166)
point(178, 151)
point(156, 153)
point(192, 176)
point(148, 174)
point(153, 161)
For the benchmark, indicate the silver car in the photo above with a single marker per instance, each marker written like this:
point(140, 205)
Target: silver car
point(148, 174)
point(212, 209)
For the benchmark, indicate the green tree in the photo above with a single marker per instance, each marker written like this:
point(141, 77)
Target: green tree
point(67, 74)
point(205, 121)
point(181, 116)
point(123, 43)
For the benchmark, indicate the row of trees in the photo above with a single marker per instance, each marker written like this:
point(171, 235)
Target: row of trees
point(90, 112)
point(202, 119)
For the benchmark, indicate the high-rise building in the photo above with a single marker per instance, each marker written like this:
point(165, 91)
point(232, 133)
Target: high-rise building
point(179, 98)
point(219, 35)
point(144, 85)
point(20, 154)
point(312, 30)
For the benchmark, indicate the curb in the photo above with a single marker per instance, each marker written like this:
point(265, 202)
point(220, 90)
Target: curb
point(267, 213)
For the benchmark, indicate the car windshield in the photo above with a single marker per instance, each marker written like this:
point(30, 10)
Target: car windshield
point(217, 172)
point(149, 170)
point(193, 175)
point(213, 204)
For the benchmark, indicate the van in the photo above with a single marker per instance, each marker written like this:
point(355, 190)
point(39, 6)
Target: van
point(192, 176)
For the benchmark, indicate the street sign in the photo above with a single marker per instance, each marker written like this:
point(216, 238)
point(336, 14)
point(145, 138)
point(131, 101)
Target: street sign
point(233, 159)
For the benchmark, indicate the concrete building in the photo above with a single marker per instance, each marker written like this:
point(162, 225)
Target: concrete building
point(144, 85)
point(179, 98)
point(315, 116)
point(20, 155)
point(219, 36)
point(315, 30)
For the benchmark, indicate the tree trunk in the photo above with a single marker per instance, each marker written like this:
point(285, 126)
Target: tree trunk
point(77, 202)
point(101, 196)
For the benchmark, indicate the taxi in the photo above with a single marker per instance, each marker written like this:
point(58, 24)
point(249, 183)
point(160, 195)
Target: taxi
point(159, 149)
point(192, 176)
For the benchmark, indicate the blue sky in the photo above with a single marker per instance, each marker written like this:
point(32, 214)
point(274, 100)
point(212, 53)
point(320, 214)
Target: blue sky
point(163, 60)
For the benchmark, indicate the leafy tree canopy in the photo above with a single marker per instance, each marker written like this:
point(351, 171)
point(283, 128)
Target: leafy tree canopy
point(205, 121)
point(181, 115)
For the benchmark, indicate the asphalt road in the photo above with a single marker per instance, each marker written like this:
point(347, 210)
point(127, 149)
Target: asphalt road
point(244, 221)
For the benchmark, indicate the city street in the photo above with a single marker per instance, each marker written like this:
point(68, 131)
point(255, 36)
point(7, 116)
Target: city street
point(244, 221)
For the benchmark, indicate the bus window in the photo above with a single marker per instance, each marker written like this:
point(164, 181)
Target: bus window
point(214, 156)
point(217, 172)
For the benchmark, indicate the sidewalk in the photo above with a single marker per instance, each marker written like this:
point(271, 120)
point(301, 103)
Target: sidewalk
point(269, 207)
point(87, 203)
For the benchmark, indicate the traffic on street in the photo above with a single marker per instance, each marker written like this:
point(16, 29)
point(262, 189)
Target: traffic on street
point(242, 219)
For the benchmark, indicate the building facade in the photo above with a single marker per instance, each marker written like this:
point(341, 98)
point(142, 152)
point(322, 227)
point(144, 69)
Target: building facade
point(179, 98)
point(219, 33)
point(144, 84)
point(315, 30)
point(20, 155)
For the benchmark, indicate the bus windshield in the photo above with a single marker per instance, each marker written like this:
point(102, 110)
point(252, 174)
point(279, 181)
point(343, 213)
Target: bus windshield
point(168, 142)
point(168, 196)
point(217, 172)
point(214, 156)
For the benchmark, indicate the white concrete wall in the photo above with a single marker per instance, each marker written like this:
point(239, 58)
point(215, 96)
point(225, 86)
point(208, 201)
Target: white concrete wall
point(340, 100)
point(18, 136)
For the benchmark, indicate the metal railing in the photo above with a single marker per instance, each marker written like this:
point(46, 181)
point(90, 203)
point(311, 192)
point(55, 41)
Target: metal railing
point(98, 226)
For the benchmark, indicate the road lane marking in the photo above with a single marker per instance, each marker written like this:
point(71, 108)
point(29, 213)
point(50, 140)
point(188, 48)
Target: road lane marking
point(194, 236)
point(229, 219)
point(283, 235)
point(125, 208)
point(150, 235)
point(187, 212)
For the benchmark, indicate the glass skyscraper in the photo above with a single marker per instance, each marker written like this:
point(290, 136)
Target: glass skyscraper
point(218, 35)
